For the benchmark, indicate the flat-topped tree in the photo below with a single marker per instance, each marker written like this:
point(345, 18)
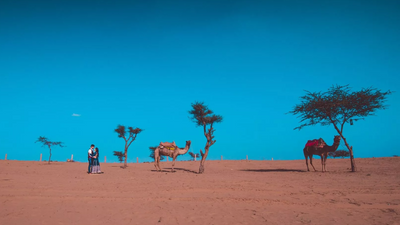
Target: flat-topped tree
point(204, 117)
point(337, 107)
point(128, 136)
point(48, 143)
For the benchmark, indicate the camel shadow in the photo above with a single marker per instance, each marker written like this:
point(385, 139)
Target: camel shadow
point(183, 169)
point(274, 170)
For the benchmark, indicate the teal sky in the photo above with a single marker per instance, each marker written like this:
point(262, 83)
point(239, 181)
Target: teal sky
point(73, 70)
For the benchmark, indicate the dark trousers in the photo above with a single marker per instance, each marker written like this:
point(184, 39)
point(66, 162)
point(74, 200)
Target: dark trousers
point(90, 165)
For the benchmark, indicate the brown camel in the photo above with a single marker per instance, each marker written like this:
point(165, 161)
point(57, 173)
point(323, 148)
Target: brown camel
point(172, 152)
point(321, 150)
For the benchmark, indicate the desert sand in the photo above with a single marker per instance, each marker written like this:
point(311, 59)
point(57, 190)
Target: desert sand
point(229, 192)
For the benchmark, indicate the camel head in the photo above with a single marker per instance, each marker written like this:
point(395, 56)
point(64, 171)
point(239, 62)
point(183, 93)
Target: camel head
point(188, 143)
point(337, 139)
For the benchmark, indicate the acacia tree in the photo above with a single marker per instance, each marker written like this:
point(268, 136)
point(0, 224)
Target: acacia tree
point(337, 107)
point(128, 137)
point(48, 143)
point(203, 116)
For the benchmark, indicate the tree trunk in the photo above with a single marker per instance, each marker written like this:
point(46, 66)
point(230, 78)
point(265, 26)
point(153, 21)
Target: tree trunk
point(126, 156)
point(49, 155)
point(203, 159)
point(352, 161)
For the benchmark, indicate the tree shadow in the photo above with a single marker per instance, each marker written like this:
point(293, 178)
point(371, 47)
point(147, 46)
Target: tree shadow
point(273, 170)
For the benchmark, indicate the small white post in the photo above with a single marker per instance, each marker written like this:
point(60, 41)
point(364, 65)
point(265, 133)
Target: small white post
point(5, 158)
point(137, 159)
point(221, 158)
point(40, 157)
point(105, 159)
point(247, 158)
point(72, 157)
point(272, 159)
point(195, 158)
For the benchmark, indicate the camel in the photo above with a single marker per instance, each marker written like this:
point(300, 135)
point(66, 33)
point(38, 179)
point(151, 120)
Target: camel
point(322, 150)
point(172, 152)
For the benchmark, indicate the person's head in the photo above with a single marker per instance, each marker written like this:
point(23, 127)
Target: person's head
point(92, 146)
point(97, 149)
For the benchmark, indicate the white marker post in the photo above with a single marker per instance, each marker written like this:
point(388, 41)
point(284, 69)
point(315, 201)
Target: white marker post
point(105, 159)
point(247, 158)
point(5, 158)
point(40, 157)
point(221, 158)
point(137, 159)
point(72, 157)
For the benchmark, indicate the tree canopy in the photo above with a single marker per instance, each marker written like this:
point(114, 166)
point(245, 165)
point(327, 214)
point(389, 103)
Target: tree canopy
point(338, 106)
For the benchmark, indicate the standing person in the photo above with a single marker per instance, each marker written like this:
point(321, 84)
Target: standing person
point(96, 163)
point(90, 158)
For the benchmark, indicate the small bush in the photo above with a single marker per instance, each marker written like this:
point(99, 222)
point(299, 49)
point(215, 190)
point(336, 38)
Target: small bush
point(339, 153)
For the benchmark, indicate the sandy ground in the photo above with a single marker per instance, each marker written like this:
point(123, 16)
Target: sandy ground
point(229, 192)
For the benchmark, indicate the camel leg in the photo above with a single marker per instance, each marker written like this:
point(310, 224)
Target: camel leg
point(157, 159)
point(311, 163)
point(325, 157)
point(173, 164)
point(306, 161)
point(158, 163)
point(322, 163)
point(305, 156)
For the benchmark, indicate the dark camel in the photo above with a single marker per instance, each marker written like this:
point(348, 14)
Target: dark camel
point(309, 151)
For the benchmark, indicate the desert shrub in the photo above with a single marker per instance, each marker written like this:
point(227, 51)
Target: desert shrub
point(194, 155)
point(120, 155)
point(339, 153)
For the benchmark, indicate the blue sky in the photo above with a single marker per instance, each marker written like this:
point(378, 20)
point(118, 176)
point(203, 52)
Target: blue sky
point(142, 64)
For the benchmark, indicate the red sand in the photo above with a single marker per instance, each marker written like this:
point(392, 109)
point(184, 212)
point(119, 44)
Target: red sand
point(229, 192)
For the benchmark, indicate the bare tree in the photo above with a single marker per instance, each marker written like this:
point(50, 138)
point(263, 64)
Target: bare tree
point(203, 116)
point(120, 156)
point(128, 137)
point(337, 107)
point(48, 143)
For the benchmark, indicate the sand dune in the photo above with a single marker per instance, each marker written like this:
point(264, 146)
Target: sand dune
point(230, 192)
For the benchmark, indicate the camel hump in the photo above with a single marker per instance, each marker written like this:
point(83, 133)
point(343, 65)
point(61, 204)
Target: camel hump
point(319, 143)
point(168, 145)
